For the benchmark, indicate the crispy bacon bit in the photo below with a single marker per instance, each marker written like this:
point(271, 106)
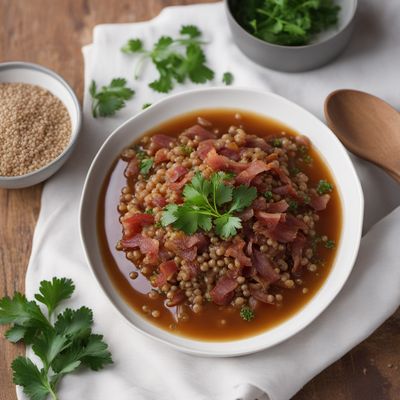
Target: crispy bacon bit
point(255, 168)
point(197, 131)
point(167, 271)
point(205, 147)
point(132, 169)
point(186, 246)
point(264, 267)
point(235, 250)
point(281, 174)
point(222, 163)
point(135, 223)
point(230, 153)
point(147, 246)
point(193, 269)
point(319, 203)
point(255, 141)
point(158, 201)
point(223, 291)
point(176, 186)
point(270, 220)
point(160, 142)
point(297, 252)
point(178, 298)
point(259, 204)
point(161, 156)
point(277, 207)
point(176, 173)
point(246, 214)
point(285, 190)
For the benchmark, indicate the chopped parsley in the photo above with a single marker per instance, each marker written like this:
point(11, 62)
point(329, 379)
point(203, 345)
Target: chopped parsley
point(62, 346)
point(268, 195)
point(286, 22)
point(277, 142)
point(306, 199)
point(149, 211)
point(175, 59)
point(293, 206)
point(208, 203)
point(247, 313)
point(227, 78)
point(294, 170)
point(146, 105)
point(324, 187)
point(330, 244)
point(109, 99)
point(186, 150)
point(145, 165)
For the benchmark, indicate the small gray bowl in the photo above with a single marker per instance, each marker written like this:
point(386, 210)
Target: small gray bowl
point(24, 72)
point(325, 47)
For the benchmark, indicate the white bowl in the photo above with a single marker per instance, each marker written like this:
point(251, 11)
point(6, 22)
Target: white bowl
point(268, 104)
point(22, 72)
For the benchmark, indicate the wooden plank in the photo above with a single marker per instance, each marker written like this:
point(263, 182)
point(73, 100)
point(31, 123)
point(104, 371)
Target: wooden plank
point(51, 33)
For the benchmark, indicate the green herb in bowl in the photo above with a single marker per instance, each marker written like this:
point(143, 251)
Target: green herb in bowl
point(286, 22)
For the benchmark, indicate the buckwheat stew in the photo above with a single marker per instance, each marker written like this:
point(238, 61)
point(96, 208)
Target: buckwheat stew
point(219, 224)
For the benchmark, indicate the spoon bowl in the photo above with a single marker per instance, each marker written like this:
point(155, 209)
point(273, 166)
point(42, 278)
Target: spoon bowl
point(368, 126)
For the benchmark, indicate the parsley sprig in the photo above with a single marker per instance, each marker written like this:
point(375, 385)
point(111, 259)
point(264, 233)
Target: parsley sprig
point(207, 203)
point(109, 99)
point(175, 59)
point(247, 313)
point(63, 343)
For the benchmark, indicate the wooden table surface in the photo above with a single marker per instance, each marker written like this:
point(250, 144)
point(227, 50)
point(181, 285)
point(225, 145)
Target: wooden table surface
point(51, 33)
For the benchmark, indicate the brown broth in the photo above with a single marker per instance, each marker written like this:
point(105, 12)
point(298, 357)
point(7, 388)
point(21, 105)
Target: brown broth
point(207, 324)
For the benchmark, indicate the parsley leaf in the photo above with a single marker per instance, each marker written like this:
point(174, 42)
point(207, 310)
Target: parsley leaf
point(176, 59)
point(62, 347)
point(209, 202)
point(111, 98)
point(52, 293)
point(247, 313)
point(324, 187)
point(330, 244)
point(145, 165)
point(34, 381)
point(227, 78)
point(146, 105)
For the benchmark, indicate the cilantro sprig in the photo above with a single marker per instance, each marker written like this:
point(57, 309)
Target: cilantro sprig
point(286, 22)
point(247, 313)
point(176, 59)
point(145, 162)
point(227, 78)
point(207, 203)
point(324, 187)
point(109, 99)
point(63, 343)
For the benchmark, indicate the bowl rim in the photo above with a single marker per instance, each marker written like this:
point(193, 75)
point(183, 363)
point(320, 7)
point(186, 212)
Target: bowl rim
point(74, 132)
point(287, 47)
point(251, 347)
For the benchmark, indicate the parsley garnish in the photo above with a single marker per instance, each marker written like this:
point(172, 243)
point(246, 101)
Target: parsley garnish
point(146, 105)
point(109, 99)
point(286, 22)
point(145, 165)
point(277, 142)
point(268, 195)
point(330, 244)
point(209, 203)
point(149, 211)
point(186, 150)
point(293, 206)
point(227, 78)
point(62, 346)
point(175, 59)
point(324, 187)
point(247, 313)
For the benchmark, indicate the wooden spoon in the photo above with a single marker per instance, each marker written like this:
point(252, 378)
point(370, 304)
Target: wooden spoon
point(368, 126)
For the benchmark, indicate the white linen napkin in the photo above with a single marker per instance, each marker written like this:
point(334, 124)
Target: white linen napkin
point(147, 370)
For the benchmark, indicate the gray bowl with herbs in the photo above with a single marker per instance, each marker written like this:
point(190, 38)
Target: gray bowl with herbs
point(275, 39)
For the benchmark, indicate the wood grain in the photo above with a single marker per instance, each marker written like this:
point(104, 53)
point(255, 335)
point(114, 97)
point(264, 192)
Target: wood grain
point(51, 33)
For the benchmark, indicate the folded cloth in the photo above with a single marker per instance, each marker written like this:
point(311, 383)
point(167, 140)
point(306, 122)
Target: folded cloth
point(147, 370)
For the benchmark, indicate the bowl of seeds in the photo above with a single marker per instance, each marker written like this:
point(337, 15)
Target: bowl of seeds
point(40, 119)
